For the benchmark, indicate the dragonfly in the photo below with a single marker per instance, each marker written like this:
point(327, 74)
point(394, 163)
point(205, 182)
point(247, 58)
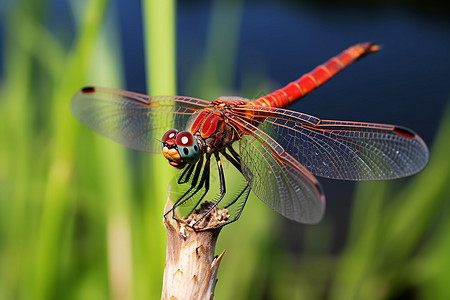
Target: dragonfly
point(278, 151)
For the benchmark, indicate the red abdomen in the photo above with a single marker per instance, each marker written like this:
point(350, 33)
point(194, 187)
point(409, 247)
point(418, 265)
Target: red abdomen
point(308, 82)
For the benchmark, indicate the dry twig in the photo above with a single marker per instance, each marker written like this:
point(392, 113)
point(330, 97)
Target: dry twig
point(191, 266)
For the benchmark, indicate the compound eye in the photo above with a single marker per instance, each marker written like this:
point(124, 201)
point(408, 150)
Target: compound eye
point(185, 139)
point(188, 147)
point(170, 134)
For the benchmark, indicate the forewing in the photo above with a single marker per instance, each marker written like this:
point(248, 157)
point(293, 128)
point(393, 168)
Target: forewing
point(340, 149)
point(277, 178)
point(134, 120)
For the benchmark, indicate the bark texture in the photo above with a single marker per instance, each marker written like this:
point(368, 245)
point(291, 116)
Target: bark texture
point(191, 266)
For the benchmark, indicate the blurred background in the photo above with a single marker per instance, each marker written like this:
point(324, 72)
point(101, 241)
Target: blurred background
point(81, 216)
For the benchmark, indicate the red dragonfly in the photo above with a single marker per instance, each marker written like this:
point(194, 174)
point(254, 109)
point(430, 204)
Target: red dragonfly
point(278, 151)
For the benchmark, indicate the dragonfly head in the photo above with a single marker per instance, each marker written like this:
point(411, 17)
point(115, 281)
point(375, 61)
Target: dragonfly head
point(180, 148)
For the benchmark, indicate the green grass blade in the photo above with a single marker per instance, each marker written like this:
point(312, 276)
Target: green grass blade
point(216, 72)
point(357, 261)
point(57, 193)
point(159, 40)
point(387, 232)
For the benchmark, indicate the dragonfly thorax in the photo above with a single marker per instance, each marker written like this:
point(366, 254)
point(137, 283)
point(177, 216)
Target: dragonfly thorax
point(212, 128)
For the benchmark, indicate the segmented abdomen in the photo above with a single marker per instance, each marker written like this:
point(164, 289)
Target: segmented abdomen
point(308, 82)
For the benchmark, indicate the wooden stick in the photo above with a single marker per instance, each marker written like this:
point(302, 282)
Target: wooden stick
point(191, 267)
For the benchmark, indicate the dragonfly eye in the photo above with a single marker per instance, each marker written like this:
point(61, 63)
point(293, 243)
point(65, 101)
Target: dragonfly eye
point(188, 147)
point(169, 135)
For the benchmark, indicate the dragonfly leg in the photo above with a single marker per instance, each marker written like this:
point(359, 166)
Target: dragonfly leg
point(223, 189)
point(236, 161)
point(234, 153)
point(198, 169)
point(237, 197)
point(204, 194)
point(204, 182)
point(243, 203)
point(186, 175)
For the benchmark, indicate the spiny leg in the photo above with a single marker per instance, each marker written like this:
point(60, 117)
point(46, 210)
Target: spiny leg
point(236, 164)
point(204, 182)
point(204, 194)
point(186, 175)
point(223, 189)
point(188, 172)
point(236, 161)
point(237, 197)
point(242, 206)
point(198, 169)
point(248, 189)
point(236, 156)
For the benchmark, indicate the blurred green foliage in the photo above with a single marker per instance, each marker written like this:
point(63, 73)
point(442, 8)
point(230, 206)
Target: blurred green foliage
point(80, 216)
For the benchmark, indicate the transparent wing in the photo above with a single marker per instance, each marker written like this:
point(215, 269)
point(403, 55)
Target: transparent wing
point(277, 178)
point(340, 149)
point(134, 120)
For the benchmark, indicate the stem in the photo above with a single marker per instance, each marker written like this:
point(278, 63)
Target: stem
point(160, 53)
point(191, 267)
